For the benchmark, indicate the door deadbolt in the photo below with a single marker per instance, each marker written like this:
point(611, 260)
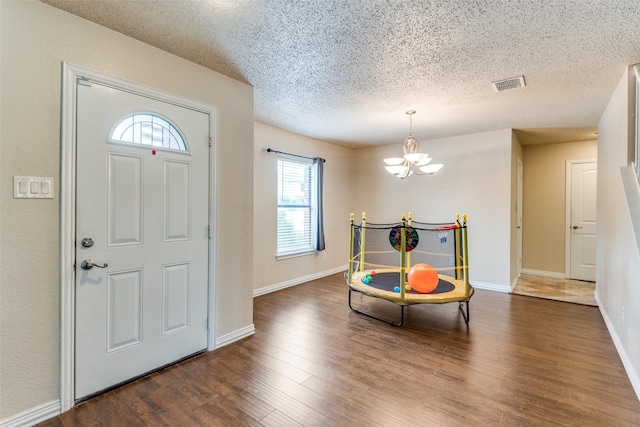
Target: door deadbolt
point(87, 242)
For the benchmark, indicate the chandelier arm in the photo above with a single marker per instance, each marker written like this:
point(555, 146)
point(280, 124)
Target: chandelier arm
point(409, 169)
point(419, 172)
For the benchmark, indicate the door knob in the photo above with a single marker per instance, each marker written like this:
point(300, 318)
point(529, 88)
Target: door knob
point(88, 264)
point(575, 227)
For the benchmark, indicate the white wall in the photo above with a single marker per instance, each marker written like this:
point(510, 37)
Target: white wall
point(617, 259)
point(271, 274)
point(476, 180)
point(35, 38)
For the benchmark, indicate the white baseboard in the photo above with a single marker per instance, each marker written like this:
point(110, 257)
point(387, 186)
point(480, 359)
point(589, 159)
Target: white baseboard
point(491, 287)
point(235, 336)
point(297, 281)
point(626, 362)
point(34, 415)
point(553, 274)
point(514, 283)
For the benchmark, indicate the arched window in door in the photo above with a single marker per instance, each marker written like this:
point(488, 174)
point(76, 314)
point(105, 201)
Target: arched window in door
point(148, 130)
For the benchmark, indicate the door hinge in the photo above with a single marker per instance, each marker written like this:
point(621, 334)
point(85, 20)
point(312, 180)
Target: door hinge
point(209, 232)
point(210, 142)
point(208, 323)
point(82, 81)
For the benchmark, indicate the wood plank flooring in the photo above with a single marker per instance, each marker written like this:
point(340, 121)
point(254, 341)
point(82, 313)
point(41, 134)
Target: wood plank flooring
point(520, 362)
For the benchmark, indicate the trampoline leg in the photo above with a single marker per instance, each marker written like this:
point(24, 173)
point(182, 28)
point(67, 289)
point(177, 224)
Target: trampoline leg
point(373, 316)
point(465, 315)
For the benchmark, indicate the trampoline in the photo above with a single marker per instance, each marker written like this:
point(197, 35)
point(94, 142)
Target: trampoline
point(382, 257)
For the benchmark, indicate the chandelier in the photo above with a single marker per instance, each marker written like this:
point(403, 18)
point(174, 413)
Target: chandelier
point(413, 161)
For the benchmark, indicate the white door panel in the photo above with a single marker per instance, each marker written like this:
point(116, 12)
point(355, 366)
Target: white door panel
point(146, 209)
point(124, 199)
point(177, 201)
point(175, 302)
point(123, 309)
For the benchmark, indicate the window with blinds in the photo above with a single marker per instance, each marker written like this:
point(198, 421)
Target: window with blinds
point(296, 207)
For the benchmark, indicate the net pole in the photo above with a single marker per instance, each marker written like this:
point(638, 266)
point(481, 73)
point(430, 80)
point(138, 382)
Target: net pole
point(458, 243)
point(351, 244)
point(363, 229)
point(403, 255)
point(466, 254)
point(409, 253)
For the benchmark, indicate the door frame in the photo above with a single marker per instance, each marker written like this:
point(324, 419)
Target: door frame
point(68, 162)
point(519, 214)
point(567, 210)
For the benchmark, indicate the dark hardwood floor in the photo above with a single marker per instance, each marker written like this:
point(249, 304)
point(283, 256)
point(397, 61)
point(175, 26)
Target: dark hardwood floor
point(313, 362)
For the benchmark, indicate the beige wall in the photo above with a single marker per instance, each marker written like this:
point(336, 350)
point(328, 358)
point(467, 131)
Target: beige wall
point(35, 39)
point(544, 212)
point(618, 259)
point(338, 193)
point(475, 179)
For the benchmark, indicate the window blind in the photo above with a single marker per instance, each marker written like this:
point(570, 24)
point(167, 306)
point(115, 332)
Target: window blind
point(296, 206)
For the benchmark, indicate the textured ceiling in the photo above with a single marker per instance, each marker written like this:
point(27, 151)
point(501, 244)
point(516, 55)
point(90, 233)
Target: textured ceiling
point(346, 71)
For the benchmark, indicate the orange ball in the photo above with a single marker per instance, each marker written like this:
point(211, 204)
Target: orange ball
point(423, 278)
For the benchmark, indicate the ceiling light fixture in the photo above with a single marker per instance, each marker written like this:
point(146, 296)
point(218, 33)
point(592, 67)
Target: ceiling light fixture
point(413, 161)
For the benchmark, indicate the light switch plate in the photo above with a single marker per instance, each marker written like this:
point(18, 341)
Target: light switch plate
point(32, 187)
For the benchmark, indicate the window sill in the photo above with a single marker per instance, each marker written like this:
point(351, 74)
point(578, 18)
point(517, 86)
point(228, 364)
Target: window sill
point(280, 257)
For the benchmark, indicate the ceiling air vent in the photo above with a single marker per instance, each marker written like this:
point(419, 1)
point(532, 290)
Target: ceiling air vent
point(510, 83)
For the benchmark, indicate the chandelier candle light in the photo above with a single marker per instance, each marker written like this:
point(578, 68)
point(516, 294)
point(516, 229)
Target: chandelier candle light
point(413, 161)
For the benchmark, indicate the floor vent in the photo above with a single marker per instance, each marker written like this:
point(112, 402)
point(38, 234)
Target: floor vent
point(510, 83)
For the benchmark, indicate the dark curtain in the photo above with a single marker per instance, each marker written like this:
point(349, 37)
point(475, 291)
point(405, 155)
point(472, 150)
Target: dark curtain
point(319, 164)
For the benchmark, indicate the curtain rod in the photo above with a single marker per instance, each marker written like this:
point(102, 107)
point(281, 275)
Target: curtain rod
point(269, 150)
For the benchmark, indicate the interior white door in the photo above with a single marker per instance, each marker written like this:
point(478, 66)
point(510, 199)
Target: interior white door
point(142, 218)
point(584, 177)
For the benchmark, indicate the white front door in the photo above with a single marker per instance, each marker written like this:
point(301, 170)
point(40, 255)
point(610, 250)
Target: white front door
point(584, 177)
point(142, 220)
